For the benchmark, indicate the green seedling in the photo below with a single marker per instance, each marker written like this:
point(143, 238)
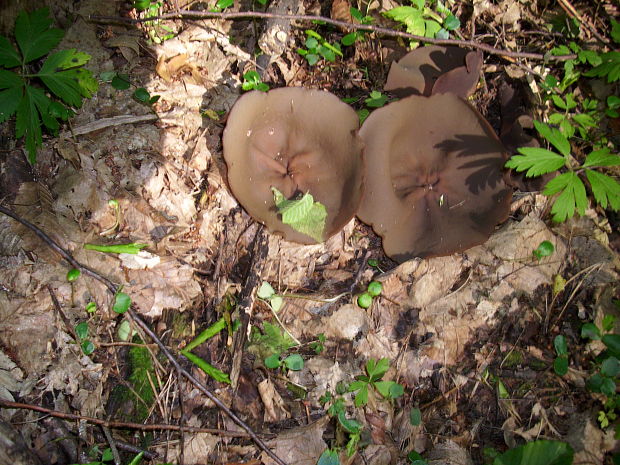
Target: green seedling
point(319, 345)
point(329, 457)
point(317, 47)
point(415, 417)
point(376, 99)
point(252, 81)
point(81, 331)
point(375, 370)
point(607, 367)
point(122, 81)
point(157, 31)
point(221, 5)
point(43, 97)
point(374, 289)
point(560, 364)
point(273, 340)
point(544, 249)
point(293, 362)
point(569, 186)
point(302, 214)
point(419, 19)
point(131, 248)
point(91, 307)
point(205, 335)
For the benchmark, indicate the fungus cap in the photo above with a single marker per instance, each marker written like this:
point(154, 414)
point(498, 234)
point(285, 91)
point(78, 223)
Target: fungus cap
point(298, 141)
point(435, 177)
point(435, 69)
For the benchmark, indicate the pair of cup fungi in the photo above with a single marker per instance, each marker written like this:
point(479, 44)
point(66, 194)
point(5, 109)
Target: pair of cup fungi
point(426, 171)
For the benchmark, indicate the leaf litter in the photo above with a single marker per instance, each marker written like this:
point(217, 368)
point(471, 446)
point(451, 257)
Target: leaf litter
point(440, 321)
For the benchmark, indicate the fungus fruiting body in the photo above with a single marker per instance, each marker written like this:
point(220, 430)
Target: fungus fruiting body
point(297, 141)
point(435, 70)
point(435, 181)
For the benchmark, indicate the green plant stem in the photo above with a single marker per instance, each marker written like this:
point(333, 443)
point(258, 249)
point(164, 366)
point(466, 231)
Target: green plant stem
point(228, 15)
point(314, 299)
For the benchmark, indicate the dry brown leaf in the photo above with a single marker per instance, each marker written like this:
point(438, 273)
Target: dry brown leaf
point(275, 410)
point(301, 446)
point(341, 11)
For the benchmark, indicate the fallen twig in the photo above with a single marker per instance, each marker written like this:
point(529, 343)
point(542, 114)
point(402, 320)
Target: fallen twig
point(121, 424)
point(113, 288)
point(383, 31)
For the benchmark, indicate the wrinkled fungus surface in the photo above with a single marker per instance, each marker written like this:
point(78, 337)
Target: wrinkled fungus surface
point(296, 140)
point(435, 70)
point(435, 182)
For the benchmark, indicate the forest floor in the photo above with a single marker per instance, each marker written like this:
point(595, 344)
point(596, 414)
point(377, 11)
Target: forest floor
point(470, 337)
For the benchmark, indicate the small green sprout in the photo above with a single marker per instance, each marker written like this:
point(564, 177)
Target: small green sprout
point(364, 300)
point(376, 99)
point(317, 47)
point(560, 364)
point(122, 302)
point(252, 81)
point(81, 331)
point(544, 249)
point(375, 370)
point(374, 289)
point(293, 362)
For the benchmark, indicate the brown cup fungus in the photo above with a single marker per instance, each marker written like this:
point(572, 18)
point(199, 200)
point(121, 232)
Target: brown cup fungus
point(298, 141)
point(433, 70)
point(435, 178)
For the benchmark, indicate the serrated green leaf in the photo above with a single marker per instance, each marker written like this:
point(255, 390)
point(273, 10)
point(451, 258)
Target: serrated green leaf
point(541, 452)
point(411, 17)
point(209, 369)
point(34, 36)
point(536, 161)
point(606, 190)
point(377, 369)
point(602, 157)
point(615, 31)
point(12, 94)
point(303, 215)
point(610, 67)
point(361, 398)
point(558, 102)
point(584, 120)
point(9, 57)
point(554, 136)
point(572, 196)
point(70, 85)
point(431, 28)
point(28, 120)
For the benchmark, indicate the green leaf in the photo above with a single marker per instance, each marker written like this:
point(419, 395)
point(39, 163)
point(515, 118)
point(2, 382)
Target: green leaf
point(610, 67)
point(349, 425)
point(411, 17)
point(590, 331)
point(63, 74)
point(81, 330)
point(303, 215)
point(364, 300)
point(601, 157)
point(559, 343)
point(209, 369)
point(265, 291)
point(415, 416)
point(294, 362)
point(606, 190)
point(274, 338)
point(541, 452)
point(608, 387)
point(554, 136)
point(376, 99)
point(608, 322)
point(612, 341)
point(389, 389)
point(349, 39)
point(87, 347)
point(273, 361)
point(610, 367)
point(615, 31)
point(208, 333)
point(276, 303)
point(33, 34)
point(9, 57)
point(131, 248)
point(34, 102)
point(361, 398)
point(122, 302)
point(91, 307)
point(10, 97)
point(107, 455)
point(374, 288)
point(451, 23)
point(141, 95)
point(558, 102)
point(329, 457)
point(560, 365)
point(376, 370)
point(544, 249)
point(73, 274)
point(572, 196)
point(124, 331)
point(120, 82)
point(137, 459)
point(536, 161)
point(584, 120)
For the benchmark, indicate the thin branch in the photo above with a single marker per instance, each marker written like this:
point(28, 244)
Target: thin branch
point(120, 424)
point(114, 289)
point(382, 31)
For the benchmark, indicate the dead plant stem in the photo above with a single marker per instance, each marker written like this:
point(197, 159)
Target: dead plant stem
point(382, 31)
